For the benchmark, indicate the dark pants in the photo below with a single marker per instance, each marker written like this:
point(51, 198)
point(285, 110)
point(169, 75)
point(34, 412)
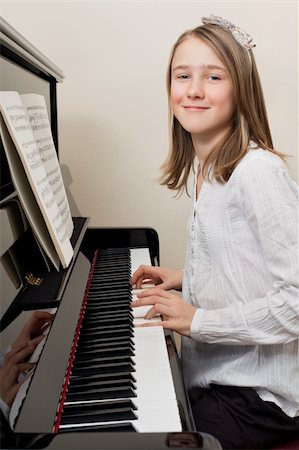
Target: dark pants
point(239, 419)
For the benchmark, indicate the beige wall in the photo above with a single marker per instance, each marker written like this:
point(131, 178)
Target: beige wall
point(112, 104)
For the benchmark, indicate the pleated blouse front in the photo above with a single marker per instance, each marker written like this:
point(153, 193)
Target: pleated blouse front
point(242, 273)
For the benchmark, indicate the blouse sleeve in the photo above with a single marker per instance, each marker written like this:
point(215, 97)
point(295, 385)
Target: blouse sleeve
point(270, 201)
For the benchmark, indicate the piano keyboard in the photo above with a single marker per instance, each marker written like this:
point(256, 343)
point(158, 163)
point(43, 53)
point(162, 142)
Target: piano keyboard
point(119, 377)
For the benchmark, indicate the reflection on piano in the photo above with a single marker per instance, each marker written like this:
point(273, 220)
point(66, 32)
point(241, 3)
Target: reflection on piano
point(99, 383)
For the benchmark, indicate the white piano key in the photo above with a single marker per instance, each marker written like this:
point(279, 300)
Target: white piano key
point(156, 400)
point(139, 256)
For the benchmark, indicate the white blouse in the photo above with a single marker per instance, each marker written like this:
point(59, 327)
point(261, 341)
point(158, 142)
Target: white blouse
point(242, 272)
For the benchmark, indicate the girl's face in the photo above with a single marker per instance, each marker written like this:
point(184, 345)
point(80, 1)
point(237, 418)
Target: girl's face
point(201, 93)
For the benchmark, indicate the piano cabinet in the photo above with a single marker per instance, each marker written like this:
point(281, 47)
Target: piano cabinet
point(35, 426)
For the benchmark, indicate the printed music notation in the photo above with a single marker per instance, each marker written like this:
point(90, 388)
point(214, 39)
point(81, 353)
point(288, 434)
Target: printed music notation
point(26, 132)
point(37, 114)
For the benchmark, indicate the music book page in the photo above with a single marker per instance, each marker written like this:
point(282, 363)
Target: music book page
point(40, 125)
point(26, 196)
point(44, 180)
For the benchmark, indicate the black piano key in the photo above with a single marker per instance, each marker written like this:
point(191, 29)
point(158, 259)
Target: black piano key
point(105, 352)
point(107, 300)
point(107, 333)
point(104, 368)
point(107, 273)
point(113, 253)
point(116, 342)
point(101, 308)
point(109, 427)
point(112, 296)
point(124, 329)
point(112, 256)
point(120, 265)
point(123, 324)
point(90, 382)
point(93, 315)
point(101, 377)
point(102, 393)
point(102, 336)
point(96, 361)
point(113, 250)
point(98, 323)
point(111, 273)
point(110, 415)
point(97, 319)
point(106, 340)
point(109, 285)
point(94, 382)
point(76, 408)
point(109, 296)
point(103, 273)
point(116, 288)
point(113, 262)
point(95, 311)
point(102, 361)
point(102, 259)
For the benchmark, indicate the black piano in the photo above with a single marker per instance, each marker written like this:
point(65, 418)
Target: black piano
point(89, 383)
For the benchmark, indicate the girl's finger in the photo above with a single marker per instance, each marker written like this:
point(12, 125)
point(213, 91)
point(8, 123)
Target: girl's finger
point(154, 291)
point(24, 367)
point(22, 354)
point(152, 300)
point(159, 308)
point(157, 323)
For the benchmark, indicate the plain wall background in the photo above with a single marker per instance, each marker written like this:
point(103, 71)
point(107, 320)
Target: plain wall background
point(112, 105)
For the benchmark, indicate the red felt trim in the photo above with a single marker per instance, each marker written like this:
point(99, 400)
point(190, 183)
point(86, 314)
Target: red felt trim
point(74, 348)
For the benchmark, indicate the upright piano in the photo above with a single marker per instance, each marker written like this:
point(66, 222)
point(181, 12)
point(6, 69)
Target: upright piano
point(100, 382)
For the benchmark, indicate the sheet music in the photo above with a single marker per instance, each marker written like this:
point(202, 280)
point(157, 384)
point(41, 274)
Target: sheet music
point(40, 125)
point(26, 197)
point(17, 122)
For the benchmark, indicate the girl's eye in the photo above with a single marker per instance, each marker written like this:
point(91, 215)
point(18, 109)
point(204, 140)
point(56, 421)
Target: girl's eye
point(214, 77)
point(183, 76)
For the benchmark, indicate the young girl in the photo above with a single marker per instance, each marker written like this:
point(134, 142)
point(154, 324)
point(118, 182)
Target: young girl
point(239, 311)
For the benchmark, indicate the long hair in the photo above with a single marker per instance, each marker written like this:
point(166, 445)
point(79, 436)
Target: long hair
point(249, 122)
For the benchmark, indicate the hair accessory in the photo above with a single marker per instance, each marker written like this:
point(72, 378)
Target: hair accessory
point(239, 35)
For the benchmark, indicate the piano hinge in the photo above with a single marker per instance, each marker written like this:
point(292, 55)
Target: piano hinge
point(32, 280)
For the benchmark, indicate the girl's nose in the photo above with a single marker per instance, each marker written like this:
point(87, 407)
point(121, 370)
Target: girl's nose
point(196, 89)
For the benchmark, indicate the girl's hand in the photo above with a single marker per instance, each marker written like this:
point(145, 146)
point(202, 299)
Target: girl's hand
point(166, 278)
point(15, 362)
point(34, 327)
point(177, 314)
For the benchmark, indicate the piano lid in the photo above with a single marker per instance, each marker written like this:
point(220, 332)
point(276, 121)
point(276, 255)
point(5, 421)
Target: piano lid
point(21, 47)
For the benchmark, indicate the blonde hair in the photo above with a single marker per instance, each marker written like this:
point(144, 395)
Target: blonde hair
point(249, 123)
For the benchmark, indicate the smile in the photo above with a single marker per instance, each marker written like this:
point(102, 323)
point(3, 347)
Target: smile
point(195, 108)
